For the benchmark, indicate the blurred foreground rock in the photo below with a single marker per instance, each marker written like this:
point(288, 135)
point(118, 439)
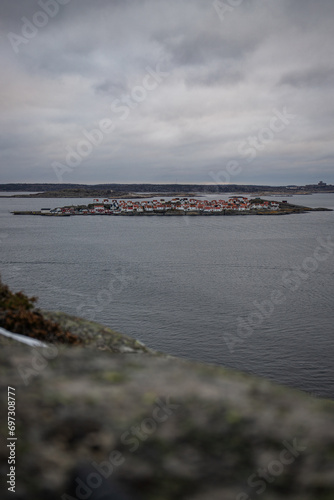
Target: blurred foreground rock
point(165, 428)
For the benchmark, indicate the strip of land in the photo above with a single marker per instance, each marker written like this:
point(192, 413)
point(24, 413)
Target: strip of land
point(236, 205)
point(128, 191)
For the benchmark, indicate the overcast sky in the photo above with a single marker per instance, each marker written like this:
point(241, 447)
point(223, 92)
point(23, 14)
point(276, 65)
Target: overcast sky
point(175, 90)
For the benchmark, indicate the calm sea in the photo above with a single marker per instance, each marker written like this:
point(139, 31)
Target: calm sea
point(196, 287)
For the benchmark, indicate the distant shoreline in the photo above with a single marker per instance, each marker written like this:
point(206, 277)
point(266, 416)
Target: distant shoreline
point(236, 205)
point(52, 194)
point(126, 191)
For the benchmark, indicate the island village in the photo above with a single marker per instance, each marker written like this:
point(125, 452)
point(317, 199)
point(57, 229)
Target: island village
point(175, 206)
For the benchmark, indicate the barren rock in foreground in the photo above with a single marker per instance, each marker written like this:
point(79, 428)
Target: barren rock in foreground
point(166, 428)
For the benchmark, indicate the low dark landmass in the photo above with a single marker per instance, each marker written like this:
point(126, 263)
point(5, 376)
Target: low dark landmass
point(282, 208)
point(98, 193)
point(162, 427)
point(130, 190)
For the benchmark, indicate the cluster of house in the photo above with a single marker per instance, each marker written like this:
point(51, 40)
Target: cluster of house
point(106, 206)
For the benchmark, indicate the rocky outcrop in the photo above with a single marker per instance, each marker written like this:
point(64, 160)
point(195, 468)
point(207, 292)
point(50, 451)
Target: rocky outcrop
point(96, 336)
point(162, 427)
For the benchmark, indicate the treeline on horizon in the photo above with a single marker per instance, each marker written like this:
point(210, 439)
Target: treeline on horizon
point(150, 188)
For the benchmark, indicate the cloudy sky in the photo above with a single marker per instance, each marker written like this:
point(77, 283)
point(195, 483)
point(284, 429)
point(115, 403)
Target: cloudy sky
point(193, 91)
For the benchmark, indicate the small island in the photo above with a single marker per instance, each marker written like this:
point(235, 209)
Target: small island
point(236, 205)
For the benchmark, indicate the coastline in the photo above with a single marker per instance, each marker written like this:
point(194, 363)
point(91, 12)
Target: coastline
point(86, 211)
point(162, 425)
point(93, 194)
point(181, 429)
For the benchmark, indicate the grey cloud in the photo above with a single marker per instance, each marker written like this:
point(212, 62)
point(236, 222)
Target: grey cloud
point(313, 78)
point(110, 87)
point(203, 48)
point(210, 77)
